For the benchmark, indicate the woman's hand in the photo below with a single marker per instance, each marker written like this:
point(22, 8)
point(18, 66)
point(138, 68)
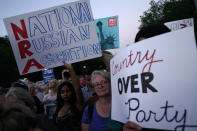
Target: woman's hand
point(67, 66)
point(131, 126)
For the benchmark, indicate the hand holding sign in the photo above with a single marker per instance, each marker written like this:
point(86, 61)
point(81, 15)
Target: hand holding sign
point(131, 126)
point(67, 66)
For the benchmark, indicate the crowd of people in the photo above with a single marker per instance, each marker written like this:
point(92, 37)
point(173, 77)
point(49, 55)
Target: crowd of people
point(74, 103)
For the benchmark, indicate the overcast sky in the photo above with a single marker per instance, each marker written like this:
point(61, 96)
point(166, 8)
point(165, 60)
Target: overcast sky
point(128, 11)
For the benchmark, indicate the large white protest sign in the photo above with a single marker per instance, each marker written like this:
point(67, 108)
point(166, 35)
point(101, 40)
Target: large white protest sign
point(179, 24)
point(45, 38)
point(154, 82)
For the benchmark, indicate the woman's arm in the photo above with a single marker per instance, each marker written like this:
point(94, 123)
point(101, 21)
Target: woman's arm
point(76, 84)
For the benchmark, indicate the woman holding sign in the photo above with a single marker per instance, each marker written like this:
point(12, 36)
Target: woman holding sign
point(96, 120)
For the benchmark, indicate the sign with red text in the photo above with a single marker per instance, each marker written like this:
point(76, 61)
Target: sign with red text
point(154, 82)
point(179, 24)
point(108, 32)
point(45, 38)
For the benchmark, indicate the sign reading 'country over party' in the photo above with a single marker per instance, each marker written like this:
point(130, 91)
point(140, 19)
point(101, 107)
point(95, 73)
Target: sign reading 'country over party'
point(154, 82)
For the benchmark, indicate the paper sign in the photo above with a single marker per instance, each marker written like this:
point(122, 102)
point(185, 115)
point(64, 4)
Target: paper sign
point(45, 38)
point(180, 24)
point(48, 75)
point(154, 82)
point(108, 32)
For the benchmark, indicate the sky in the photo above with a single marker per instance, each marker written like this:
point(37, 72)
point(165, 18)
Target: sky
point(128, 11)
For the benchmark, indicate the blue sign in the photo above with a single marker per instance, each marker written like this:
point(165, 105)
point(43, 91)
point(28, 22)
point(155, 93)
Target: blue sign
point(48, 75)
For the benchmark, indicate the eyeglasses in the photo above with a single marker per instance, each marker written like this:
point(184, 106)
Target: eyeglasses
point(102, 83)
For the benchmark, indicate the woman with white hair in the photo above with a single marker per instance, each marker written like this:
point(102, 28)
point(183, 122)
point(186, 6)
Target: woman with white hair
point(95, 116)
point(97, 120)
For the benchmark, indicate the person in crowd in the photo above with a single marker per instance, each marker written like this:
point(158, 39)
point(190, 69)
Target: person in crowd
point(39, 92)
point(97, 119)
point(75, 82)
point(26, 80)
point(106, 57)
point(144, 33)
point(95, 116)
point(17, 117)
point(3, 91)
point(67, 116)
point(50, 98)
point(82, 81)
point(46, 89)
point(39, 105)
point(69, 103)
point(151, 31)
point(19, 83)
point(88, 89)
point(21, 97)
point(66, 75)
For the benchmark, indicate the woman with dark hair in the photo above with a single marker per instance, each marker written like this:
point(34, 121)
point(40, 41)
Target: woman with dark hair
point(67, 116)
point(150, 31)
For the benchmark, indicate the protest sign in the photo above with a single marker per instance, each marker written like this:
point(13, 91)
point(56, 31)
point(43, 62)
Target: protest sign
point(47, 75)
point(45, 38)
point(108, 32)
point(154, 82)
point(179, 24)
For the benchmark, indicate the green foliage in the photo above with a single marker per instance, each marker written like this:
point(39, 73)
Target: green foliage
point(167, 10)
point(8, 67)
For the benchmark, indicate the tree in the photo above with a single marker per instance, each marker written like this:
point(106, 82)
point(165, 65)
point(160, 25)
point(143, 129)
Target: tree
point(8, 67)
point(167, 10)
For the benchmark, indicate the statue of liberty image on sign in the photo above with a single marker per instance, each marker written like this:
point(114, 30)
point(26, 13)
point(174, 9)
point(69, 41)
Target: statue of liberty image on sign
point(108, 32)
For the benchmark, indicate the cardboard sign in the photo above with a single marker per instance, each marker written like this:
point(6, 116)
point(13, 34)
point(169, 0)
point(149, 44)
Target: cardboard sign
point(45, 38)
point(108, 32)
point(180, 24)
point(154, 82)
